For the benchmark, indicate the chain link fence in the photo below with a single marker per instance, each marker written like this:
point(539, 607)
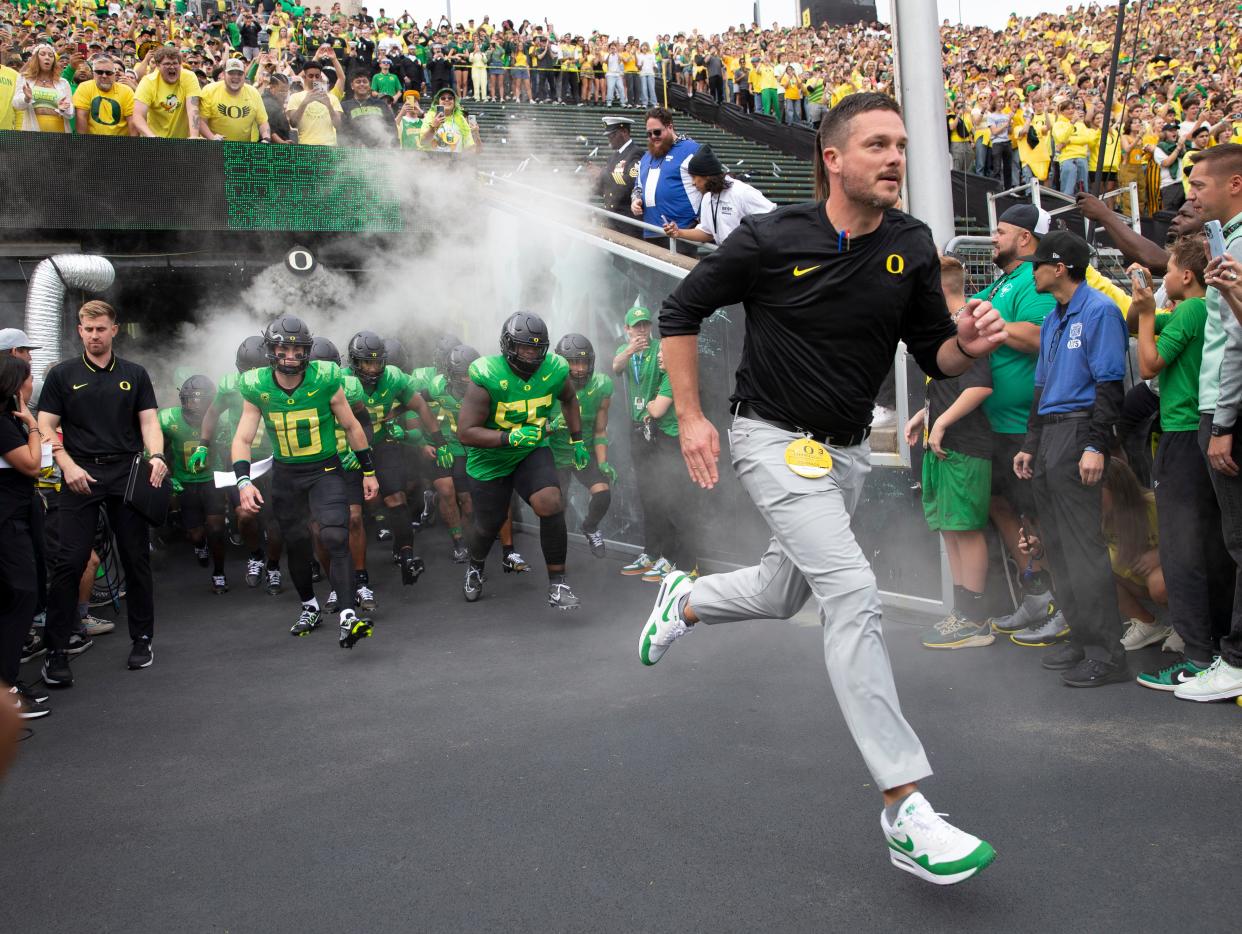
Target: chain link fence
point(975, 254)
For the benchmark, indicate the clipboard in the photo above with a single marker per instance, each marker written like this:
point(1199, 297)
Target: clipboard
point(150, 502)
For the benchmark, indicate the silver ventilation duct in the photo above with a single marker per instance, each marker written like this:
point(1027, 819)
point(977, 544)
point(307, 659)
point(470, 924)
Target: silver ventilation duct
point(45, 301)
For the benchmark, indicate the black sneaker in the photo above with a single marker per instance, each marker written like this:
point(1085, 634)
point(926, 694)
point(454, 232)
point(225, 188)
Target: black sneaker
point(26, 710)
point(273, 582)
point(219, 584)
point(331, 604)
point(141, 656)
point(412, 568)
point(1063, 657)
point(55, 672)
point(353, 629)
point(561, 597)
point(1093, 673)
point(473, 588)
point(595, 541)
point(307, 623)
point(200, 554)
point(33, 647)
point(461, 554)
point(32, 694)
point(316, 572)
point(78, 644)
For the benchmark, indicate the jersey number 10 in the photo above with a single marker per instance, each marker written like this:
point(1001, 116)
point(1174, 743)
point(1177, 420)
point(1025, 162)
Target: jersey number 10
point(287, 426)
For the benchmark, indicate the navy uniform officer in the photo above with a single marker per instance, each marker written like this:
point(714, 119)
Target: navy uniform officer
point(105, 407)
point(615, 181)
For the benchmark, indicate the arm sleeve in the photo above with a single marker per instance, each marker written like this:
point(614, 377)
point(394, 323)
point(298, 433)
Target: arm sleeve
point(1231, 363)
point(926, 324)
point(1106, 414)
point(722, 278)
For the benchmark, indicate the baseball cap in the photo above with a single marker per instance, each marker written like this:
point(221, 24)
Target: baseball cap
point(1028, 217)
point(1061, 246)
point(15, 339)
point(636, 315)
point(235, 64)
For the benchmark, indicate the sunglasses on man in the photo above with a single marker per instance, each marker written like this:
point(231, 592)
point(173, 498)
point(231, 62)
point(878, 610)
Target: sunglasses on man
point(654, 134)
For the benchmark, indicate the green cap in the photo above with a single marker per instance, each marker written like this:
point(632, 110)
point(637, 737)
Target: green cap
point(636, 315)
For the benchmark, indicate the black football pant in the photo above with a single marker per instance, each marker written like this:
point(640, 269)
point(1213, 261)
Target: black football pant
point(490, 502)
point(300, 493)
point(77, 518)
point(18, 580)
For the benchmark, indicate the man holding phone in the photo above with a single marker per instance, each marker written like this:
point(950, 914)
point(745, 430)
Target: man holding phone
point(316, 112)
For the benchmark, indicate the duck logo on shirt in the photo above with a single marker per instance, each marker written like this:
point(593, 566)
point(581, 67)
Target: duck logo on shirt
point(171, 103)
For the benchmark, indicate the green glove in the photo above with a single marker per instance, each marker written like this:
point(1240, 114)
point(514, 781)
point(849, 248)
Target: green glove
point(525, 436)
point(198, 460)
point(444, 457)
point(395, 431)
point(558, 424)
point(176, 485)
point(582, 457)
point(349, 460)
point(608, 471)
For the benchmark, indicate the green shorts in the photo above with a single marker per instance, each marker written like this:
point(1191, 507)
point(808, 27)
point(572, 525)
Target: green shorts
point(956, 491)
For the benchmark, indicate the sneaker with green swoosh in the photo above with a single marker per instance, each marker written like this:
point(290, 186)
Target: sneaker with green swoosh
point(924, 844)
point(664, 626)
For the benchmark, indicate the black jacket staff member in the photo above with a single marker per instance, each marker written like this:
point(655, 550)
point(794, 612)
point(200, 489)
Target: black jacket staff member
point(829, 289)
point(105, 407)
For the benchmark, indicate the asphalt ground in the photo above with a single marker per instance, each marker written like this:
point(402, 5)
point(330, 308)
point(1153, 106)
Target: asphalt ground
point(504, 766)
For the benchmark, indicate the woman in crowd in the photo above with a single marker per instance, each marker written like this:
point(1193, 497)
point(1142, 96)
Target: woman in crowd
point(792, 86)
point(42, 97)
point(478, 71)
point(496, 62)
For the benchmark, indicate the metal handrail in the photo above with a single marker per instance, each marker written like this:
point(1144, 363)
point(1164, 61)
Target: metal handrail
point(1038, 192)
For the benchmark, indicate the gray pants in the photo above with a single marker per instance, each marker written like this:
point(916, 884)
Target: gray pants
point(813, 554)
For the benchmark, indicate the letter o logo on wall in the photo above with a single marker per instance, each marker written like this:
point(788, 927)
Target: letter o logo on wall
point(895, 264)
point(300, 261)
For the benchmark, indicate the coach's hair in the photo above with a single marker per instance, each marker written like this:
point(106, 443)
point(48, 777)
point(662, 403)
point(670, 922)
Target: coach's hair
point(97, 309)
point(834, 131)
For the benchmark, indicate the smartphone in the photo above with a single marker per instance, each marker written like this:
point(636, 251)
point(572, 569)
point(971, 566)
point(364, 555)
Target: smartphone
point(440, 109)
point(1140, 278)
point(1215, 238)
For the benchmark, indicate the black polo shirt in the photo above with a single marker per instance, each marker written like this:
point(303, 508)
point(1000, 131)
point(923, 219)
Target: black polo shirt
point(98, 408)
point(824, 312)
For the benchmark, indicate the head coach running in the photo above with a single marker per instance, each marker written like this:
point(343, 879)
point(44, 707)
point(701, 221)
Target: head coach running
point(105, 407)
point(829, 289)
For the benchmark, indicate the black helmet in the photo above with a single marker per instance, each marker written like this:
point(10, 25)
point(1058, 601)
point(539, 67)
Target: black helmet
point(367, 347)
point(522, 329)
point(287, 331)
point(444, 347)
point(196, 394)
point(397, 354)
point(251, 354)
point(324, 349)
point(459, 361)
point(576, 347)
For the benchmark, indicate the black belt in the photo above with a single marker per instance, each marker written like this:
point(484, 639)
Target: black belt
point(836, 439)
point(1067, 416)
point(104, 459)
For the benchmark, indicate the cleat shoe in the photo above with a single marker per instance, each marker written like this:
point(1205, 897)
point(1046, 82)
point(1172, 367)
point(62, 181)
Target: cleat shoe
point(1093, 673)
point(427, 517)
point(924, 844)
point(94, 626)
point(364, 597)
point(200, 553)
point(1050, 631)
point(33, 647)
point(1139, 635)
point(411, 570)
point(254, 571)
point(353, 629)
point(1221, 681)
point(957, 633)
point(26, 709)
point(1062, 658)
point(307, 623)
point(273, 582)
point(658, 571)
point(141, 656)
point(595, 541)
point(56, 672)
point(473, 588)
point(561, 597)
point(1033, 611)
point(219, 584)
point(461, 554)
point(78, 643)
point(638, 566)
point(316, 572)
point(1171, 677)
point(331, 603)
point(514, 563)
point(664, 625)
point(383, 535)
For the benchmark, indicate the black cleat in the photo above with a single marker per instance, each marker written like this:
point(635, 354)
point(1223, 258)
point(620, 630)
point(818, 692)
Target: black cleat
point(141, 656)
point(595, 541)
point(364, 597)
point(561, 597)
point(316, 571)
point(461, 554)
point(307, 623)
point(332, 603)
point(353, 629)
point(514, 563)
point(427, 518)
point(273, 582)
point(412, 568)
point(219, 584)
point(254, 572)
point(201, 555)
point(473, 588)
point(383, 535)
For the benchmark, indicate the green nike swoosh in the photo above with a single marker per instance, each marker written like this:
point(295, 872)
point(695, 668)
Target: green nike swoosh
point(907, 844)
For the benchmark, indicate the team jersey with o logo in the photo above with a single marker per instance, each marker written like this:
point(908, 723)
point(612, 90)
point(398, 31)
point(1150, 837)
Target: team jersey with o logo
point(180, 441)
point(392, 389)
point(107, 112)
point(515, 401)
point(300, 421)
point(236, 117)
point(590, 398)
point(356, 396)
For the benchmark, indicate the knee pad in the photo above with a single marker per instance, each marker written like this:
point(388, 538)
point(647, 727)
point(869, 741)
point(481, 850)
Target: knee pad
point(334, 538)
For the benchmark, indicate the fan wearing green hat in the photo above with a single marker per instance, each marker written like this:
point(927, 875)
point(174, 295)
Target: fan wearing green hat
point(449, 129)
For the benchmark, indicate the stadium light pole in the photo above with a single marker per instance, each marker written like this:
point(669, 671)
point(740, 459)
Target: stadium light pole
point(920, 90)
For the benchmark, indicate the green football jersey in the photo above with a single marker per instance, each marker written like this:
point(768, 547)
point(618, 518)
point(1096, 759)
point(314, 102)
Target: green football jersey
point(228, 397)
point(392, 390)
point(590, 398)
point(429, 380)
point(180, 441)
point(448, 409)
point(515, 401)
point(356, 396)
point(300, 422)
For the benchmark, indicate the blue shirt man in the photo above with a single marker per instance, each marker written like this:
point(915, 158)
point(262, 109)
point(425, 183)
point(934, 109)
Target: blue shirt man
point(664, 188)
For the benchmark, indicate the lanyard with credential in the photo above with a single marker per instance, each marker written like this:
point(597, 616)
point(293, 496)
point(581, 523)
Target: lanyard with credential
point(636, 368)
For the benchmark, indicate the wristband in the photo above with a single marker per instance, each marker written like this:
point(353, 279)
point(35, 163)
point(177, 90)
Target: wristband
point(1091, 449)
point(962, 350)
point(204, 443)
point(575, 435)
point(366, 461)
point(158, 457)
point(601, 439)
point(241, 469)
point(243, 482)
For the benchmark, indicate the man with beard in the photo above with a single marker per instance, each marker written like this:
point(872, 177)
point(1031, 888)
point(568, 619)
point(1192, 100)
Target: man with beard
point(232, 109)
point(830, 288)
point(664, 191)
point(369, 120)
point(103, 104)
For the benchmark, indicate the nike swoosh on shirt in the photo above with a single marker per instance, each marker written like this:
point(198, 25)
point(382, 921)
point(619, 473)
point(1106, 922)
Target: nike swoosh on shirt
point(311, 392)
point(328, 469)
point(799, 271)
point(80, 385)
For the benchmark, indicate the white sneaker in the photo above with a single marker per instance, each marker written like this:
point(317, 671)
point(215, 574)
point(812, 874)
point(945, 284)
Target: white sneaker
point(665, 625)
point(1139, 635)
point(1219, 682)
point(924, 844)
point(94, 626)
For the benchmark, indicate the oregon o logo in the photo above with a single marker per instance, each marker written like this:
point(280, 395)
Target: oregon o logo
point(896, 264)
point(300, 260)
point(125, 385)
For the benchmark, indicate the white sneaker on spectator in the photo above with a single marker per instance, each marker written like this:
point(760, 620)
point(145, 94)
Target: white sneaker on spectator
point(1220, 682)
point(1139, 635)
point(94, 626)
